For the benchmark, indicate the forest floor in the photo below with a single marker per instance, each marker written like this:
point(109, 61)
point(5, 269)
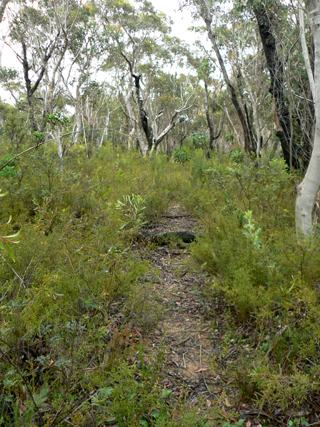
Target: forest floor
point(190, 329)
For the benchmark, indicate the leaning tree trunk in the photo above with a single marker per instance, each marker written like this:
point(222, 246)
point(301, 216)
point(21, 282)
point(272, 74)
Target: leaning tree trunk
point(308, 188)
point(207, 18)
point(275, 67)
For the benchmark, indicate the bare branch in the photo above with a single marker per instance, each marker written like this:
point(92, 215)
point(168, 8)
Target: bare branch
point(174, 121)
point(128, 61)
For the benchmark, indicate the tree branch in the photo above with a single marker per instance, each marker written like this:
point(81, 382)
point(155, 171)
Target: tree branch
point(173, 122)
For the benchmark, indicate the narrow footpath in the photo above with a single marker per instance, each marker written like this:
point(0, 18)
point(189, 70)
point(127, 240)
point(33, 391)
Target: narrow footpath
point(189, 329)
point(185, 328)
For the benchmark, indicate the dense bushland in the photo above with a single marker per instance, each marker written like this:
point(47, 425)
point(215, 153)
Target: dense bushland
point(266, 280)
point(73, 301)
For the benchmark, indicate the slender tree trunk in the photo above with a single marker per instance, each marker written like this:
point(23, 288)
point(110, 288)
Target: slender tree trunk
point(105, 131)
point(308, 134)
point(78, 122)
point(308, 188)
point(143, 115)
point(236, 135)
point(275, 67)
point(254, 103)
point(136, 127)
point(209, 117)
point(31, 89)
point(207, 17)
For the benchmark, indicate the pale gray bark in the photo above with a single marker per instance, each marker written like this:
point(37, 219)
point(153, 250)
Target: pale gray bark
point(236, 135)
point(254, 104)
point(308, 188)
point(207, 16)
point(305, 50)
point(104, 134)
point(175, 119)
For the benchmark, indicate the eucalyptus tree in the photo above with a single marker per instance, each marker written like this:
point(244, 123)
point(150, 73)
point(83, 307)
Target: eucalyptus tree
point(136, 34)
point(60, 44)
point(205, 69)
point(42, 36)
point(264, 17)
point(207, 10)
point(85, 56)
point(248, 63)
point(166, 92)
point(308, 188)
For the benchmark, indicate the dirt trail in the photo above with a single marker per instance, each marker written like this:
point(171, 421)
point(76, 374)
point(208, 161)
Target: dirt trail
point(196, 363)
point(185, 326)
point(197, 355)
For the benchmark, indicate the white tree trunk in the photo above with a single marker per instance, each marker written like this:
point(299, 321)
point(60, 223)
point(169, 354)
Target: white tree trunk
point(305, 50)
point(104, 133)
point(308, 188)
point(254, 104)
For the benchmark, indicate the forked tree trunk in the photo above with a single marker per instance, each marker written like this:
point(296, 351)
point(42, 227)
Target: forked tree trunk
point(308, 188)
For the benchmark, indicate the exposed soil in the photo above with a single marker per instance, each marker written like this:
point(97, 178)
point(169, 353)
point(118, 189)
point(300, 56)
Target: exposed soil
point(186, 325)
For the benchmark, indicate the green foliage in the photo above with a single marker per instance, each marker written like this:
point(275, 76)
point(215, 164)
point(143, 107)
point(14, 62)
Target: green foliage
point(10, 170)
point(15, 129)
point(237, 424)
point(39, 136)
point(250, 230)
point(181, 155)
point(78, 292)
point(57, 118)
point(5, 241)
point(237, 156)
point(80, 286)
point(199, 140)
point(132, 208)
point(298, 422)
point(261, 275)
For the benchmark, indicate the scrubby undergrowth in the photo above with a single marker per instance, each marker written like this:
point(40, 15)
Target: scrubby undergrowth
point(71, 305)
